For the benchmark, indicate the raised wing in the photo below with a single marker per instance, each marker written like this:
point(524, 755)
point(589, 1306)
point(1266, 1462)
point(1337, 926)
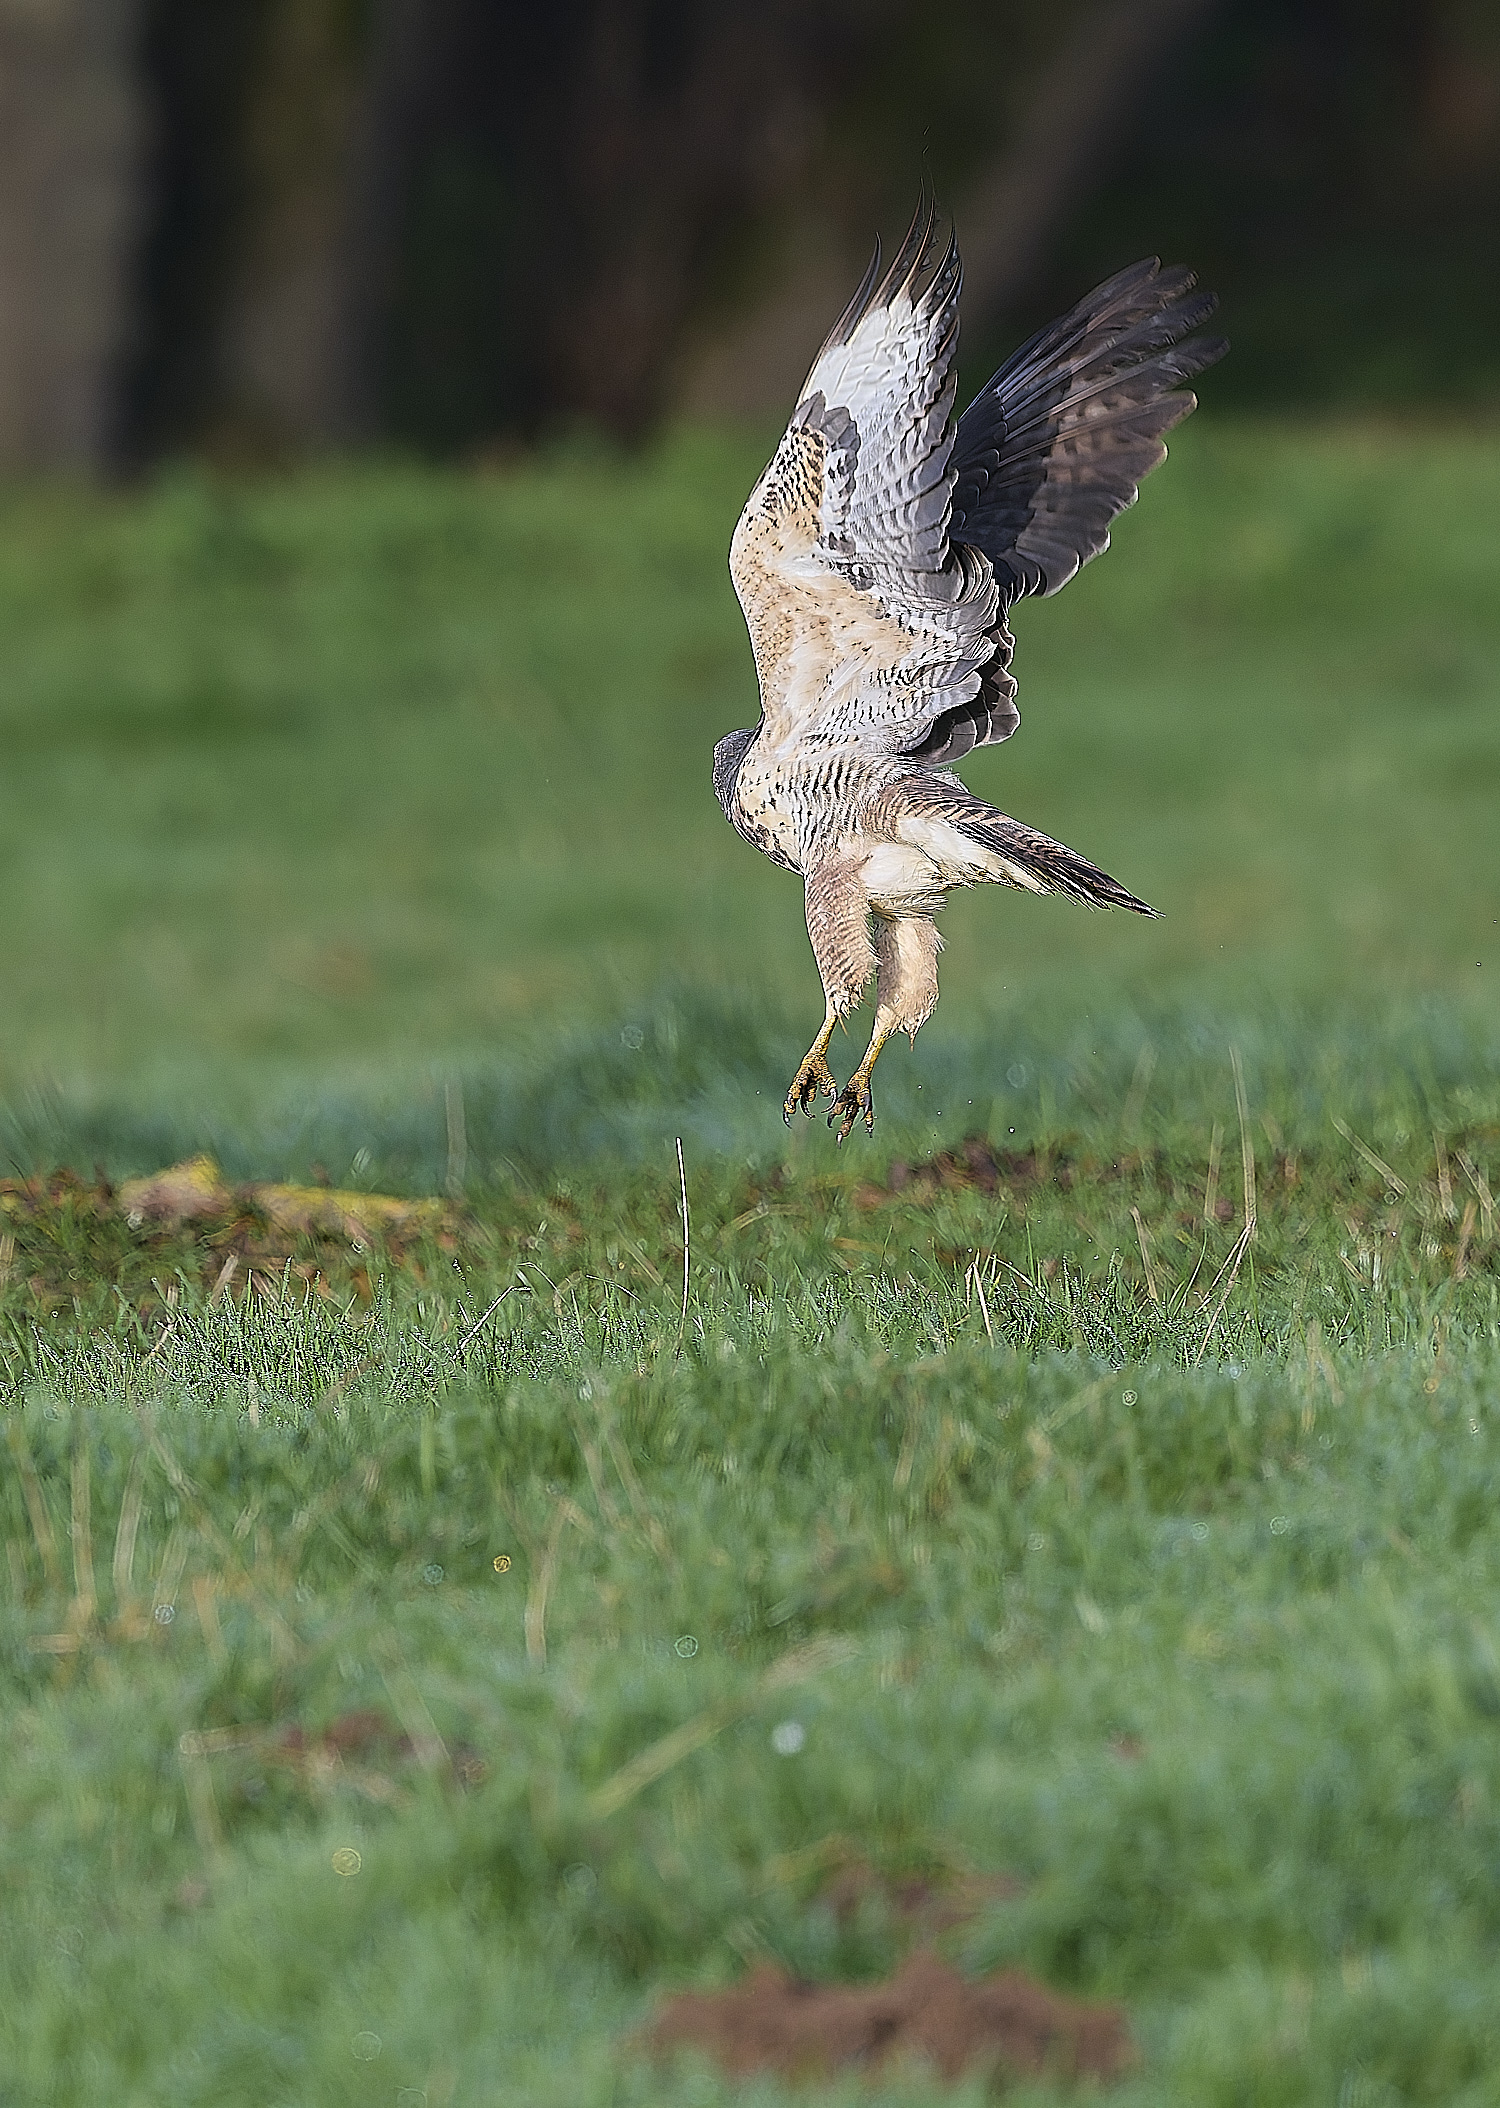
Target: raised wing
point(1058, 441)
point(869, 627)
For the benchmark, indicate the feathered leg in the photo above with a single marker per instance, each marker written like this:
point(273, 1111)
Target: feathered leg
point(838, 916)
point(906, 993)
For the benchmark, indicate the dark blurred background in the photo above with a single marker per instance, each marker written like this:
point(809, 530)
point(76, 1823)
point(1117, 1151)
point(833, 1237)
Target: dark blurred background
point(252, 227)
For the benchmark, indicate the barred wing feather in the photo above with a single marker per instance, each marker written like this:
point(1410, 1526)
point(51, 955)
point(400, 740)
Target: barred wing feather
point(868, 625)
point(879, 553)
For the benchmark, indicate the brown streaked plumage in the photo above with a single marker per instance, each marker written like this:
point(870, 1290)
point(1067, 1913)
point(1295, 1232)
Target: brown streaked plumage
point(876, 561)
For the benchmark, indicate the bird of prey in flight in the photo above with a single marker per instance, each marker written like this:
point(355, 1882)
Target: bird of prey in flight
point(876, 562)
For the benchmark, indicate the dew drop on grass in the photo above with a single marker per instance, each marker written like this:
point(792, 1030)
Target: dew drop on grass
point(687, 1646)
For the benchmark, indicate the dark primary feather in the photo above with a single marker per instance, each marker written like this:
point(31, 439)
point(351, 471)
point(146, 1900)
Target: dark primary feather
point(1058, 441)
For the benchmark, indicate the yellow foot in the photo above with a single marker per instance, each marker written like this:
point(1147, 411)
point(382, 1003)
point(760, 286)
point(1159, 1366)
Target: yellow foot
point(813, 1076)
point(852, 1100)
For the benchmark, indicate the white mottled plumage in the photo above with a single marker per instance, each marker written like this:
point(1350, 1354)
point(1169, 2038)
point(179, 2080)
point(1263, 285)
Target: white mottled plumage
point(879, 629)
point(871, 622)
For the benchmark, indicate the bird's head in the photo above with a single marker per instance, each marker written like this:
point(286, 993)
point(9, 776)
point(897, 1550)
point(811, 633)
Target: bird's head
point(728, 755)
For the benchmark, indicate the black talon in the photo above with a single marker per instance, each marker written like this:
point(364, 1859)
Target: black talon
point(806, 1085)
point(850, 1103)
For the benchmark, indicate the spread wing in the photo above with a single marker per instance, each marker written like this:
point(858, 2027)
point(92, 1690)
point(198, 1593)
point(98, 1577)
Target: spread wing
point(1058, 441)
point(869, 626)
point(877, 556)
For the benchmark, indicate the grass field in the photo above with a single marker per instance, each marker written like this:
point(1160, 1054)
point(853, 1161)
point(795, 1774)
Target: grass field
point(1106, 1500)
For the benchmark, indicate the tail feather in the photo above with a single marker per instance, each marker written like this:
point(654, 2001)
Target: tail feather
point(1050, 867)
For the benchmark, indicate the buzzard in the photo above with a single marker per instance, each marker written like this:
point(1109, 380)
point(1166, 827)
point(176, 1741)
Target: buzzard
point(876, 562)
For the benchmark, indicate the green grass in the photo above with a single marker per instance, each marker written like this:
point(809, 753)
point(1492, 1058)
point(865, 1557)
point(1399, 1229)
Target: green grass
point(1203, 1655)
point(1180, 1612)
point(363, 819)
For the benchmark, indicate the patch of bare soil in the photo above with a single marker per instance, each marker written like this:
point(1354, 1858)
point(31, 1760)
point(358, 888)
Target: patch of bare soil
point(361, 1750)
point(365, 1737)
point(1002, 2026)
point(1006, 2025)
point(975, 1165)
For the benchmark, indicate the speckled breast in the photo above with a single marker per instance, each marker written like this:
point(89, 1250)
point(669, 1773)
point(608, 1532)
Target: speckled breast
point(763, 807)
